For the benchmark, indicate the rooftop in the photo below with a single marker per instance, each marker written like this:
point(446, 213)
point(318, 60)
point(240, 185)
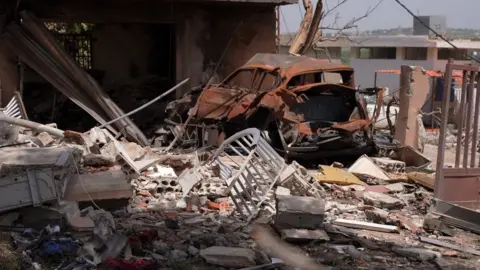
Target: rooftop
point(389, 41)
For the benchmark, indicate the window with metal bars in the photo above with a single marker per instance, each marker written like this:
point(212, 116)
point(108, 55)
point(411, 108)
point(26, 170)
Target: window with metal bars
point(79, 47)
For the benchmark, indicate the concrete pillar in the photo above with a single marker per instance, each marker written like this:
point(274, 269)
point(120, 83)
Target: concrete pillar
point(432, 54)
point(401, 53)
point(189, 60)
point(414, 89)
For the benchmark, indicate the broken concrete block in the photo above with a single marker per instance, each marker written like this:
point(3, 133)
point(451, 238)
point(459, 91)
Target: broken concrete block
point(98, 160)
point(228, 256)
point(188, 179)
point(419, 254)
point(295, 212)
point(381, 200)
point(282, 191)
point(134, 151)
point(431, 223)
point(214, 187)
point(395, 188)
point(44, 139)
point(303, 235)
point(366, 166)
point(377, 215)
point(390, 165)
point(81, 224)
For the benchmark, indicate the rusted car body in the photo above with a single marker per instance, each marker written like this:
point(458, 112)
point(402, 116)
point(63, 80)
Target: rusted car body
point(306, 108)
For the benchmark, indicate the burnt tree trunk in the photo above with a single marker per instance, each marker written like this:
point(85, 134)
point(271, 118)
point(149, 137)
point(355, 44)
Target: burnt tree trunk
point(313, 31)
point(302, 33)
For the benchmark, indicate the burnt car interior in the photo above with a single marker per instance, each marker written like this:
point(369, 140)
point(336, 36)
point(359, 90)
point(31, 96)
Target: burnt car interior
point(326, 103)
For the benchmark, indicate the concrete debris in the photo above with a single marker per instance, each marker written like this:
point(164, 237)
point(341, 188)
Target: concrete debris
point(299, 212)
point(303, 235)
point(432, 224)
point(439, 243)
point(395, 188)
point(381, 200)
point(417, 253)
point(218, 207)
point(282, 191)
point(81, 224)
point(229, 257)
point(98, 160)
point(366, 166)
point(134, 151)
point(377, 215)
point(390, 165)
point(44, 139)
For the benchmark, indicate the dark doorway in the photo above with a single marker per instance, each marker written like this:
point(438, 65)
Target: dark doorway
point(134, 63)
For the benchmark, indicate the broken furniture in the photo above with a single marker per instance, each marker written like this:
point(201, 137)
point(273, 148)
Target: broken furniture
point(35, 45)
point(15, 108)
point(32, 176)
point(258, 168)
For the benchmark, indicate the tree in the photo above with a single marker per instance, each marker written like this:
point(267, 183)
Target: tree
point(311, 28)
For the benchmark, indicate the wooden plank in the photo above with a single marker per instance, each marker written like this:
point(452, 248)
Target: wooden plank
point(365, 225)
point(110, 184)
point(423, 179)
point(439, 243)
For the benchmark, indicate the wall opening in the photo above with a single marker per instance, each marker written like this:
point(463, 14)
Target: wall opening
point(133, 63)
point(377, 53)
point(416, 53)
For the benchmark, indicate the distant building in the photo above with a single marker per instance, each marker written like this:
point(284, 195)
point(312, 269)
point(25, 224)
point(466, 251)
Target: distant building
point(369, 54)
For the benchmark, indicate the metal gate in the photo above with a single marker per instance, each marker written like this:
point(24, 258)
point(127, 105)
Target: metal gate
point(460, 184)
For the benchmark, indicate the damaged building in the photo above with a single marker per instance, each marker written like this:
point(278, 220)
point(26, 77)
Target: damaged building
point(135, 50)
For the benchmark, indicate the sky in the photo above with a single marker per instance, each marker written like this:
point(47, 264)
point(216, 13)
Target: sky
point(460, 13)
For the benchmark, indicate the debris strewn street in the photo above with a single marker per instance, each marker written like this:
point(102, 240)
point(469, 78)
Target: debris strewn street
point(281, 161)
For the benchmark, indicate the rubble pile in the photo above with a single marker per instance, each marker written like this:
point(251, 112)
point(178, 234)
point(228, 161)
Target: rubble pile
point(200, 209)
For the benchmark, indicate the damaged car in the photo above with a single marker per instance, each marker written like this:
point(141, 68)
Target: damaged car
point(306, 108)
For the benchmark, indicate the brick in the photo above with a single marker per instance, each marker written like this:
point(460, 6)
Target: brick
point(295, 212)
point(228, 256)
point(45, 139)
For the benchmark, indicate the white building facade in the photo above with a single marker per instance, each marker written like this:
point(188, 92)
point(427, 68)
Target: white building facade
point(370, 54)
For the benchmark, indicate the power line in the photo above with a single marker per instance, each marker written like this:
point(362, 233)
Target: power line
point(300, 9)
point(435, 32)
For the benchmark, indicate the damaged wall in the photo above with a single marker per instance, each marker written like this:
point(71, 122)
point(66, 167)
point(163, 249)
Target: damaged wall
point(121, 50)
point(414, 89)
point(202, 32)
point(205, 34)
point(9, 76)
